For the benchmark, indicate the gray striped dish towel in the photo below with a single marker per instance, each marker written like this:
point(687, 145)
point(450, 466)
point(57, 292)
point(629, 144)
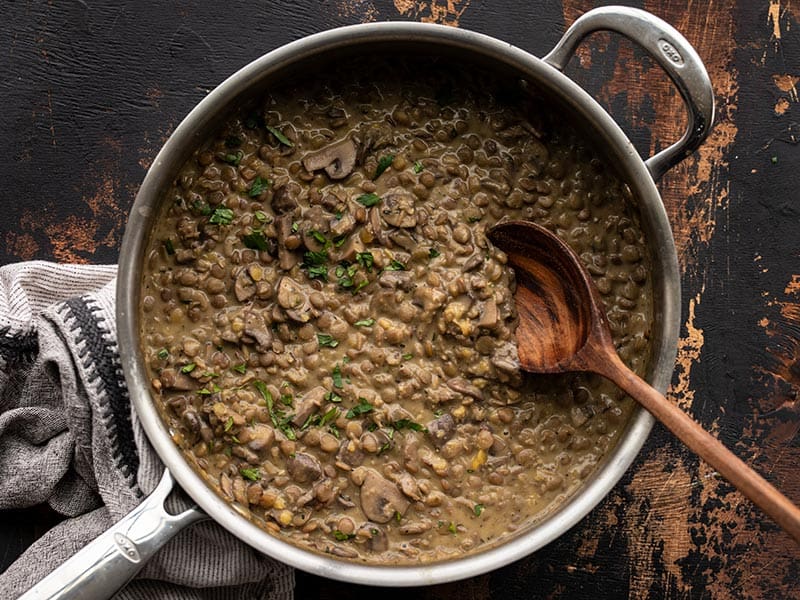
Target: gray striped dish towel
point(68, 438)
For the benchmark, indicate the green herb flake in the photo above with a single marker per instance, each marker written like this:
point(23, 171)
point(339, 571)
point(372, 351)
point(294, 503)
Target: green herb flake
point(334, 431)
point(418, 167)
point(241, 369)
point(366, 260)
point(287, 399)
point(333, 397)
point(262, 217)
point(397, 516)
point(326, 339)
point(368, 200)
point(363, 407)
point(170, 249)
point(365, 323)
point(474, 219)
point(259, 185)
point(233, 141)
point(252, 474)
point(433, 253)
point(234, 158)
point(201, 207)
point(188, 368)
point(317, 272)
point(383, 163)
point(329, 416)
point(395, 265)
point(341, 536)
point(408, 424)
point(163, 354)
point(339, 241)
point(221, 216)
point(315, 258)
point(452, 528)
point(774, 160)
point(265, 393)
point(295, 226)
point(228, 424)
point(280, 137)
point(255, 241)
point(288, 431)
point(478, 509)
point(408, 356)
point(318, 236)
point(337, 376)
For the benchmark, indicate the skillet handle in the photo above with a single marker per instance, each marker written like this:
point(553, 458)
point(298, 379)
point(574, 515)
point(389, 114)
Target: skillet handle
point(675, 55)
point(106, 564)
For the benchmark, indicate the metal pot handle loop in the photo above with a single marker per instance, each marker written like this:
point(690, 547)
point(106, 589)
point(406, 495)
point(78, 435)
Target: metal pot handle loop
point(675, 55)
point(107, 563)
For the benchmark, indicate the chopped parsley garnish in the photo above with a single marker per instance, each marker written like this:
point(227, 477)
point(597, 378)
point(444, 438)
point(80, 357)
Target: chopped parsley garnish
point(318, 272)
point(280, 137)
point(234, 158)
point(318, 236)
point(241, 369)
point(398, 517)
point(368, 199)
point(337, 376)
point(202, 207)
point(341, 536)
point(474, 219)
point(228, 424)
point(345, 274)
point(339, 240)
point(383, 163)
point(433, 253)
point(233, 141)
point(321, 420)
point(221, 216)
point(188, 368)
point(365, 323)
point(452, 528)
point(418, 167)
point(215, 389)
point(279, 420)
point(163, 354)
point(408, 424)
point(365, 259)
point(395, 265)
point(287, 399)
point(314, 263)
point(478, 509)
point(255, 241)
point(261, 216)
point(252, 474)
point(408, 356)
point(363, 407)
point(295, 226)
point(169, 247)
point(326, 339)
point(333, 397)
point(258, 186)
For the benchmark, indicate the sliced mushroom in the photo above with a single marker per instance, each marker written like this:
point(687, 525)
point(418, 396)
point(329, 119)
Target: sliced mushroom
point(352, 246)
point(489, 316)
point(376, 538)
point(283, 200)
point(350, 454)
point(342, 226)
point(381, 499)
point(256, 328)
point(338, 159)
point(398, 210)
point(293, 299)
point(303, 467)
point(174, 380)
point(308, 404)
point(244, 287)
point(286, 258)
point(462, 386)
point(441, 429)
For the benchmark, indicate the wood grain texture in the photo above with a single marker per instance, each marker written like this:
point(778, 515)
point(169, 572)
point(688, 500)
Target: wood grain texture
point(92, 89)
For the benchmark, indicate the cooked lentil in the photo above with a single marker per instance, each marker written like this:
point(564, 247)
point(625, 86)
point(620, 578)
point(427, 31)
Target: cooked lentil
point(331, 336)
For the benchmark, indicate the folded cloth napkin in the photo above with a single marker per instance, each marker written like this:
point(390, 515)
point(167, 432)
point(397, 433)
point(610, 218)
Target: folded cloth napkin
point(69, 438)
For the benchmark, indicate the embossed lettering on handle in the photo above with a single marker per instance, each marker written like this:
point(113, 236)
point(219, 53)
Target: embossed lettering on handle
point(675, 55)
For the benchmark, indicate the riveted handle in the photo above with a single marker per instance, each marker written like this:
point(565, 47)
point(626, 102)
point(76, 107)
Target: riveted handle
point(107, 563)
point(670, 50)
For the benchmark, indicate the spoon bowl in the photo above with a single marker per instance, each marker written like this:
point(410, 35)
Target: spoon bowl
point(563, 328)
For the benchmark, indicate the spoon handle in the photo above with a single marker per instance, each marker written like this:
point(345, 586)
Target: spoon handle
point(707, 447)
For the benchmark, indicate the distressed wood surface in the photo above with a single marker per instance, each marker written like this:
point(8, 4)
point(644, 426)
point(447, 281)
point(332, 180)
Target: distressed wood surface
point(91, 89)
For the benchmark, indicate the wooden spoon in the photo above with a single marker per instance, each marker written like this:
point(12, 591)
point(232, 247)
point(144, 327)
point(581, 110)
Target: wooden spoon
point(563, 328)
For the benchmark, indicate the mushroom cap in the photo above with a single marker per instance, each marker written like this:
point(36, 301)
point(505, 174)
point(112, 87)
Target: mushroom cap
point(338, 159)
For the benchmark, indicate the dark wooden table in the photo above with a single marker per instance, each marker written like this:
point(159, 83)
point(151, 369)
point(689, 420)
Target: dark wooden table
point(91, 89)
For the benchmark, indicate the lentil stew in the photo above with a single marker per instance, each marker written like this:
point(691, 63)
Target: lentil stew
point(330, 335)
